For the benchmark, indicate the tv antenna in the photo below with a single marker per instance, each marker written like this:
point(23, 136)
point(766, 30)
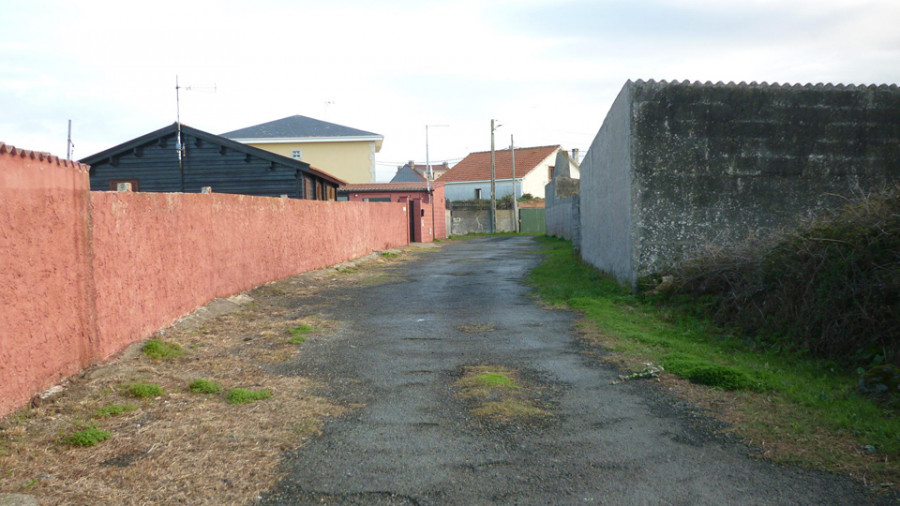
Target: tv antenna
point(179, 145)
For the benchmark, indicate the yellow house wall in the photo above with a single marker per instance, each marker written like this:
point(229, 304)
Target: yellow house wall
point(354, 162)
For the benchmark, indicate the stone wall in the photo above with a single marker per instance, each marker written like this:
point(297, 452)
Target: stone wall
point(564, 209)
point(677, 167)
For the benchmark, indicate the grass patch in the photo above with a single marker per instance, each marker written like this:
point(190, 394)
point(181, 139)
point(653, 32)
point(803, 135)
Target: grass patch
point(389, 254)
point(298, 334)
point(162, 350)
point(89, 436)
point(244, 395)
point(346, 271)
point(114, 410)
point(144, 390)
point(816, 396)
point(508, 409)
point(204, 386)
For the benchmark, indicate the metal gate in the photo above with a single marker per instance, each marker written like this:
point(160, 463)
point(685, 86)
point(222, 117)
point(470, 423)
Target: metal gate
point(533, 221)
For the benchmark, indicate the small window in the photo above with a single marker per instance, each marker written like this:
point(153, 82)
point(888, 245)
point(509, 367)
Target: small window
point(477, 193)
point(135, 184)
point(550, 171)
point(296, 154)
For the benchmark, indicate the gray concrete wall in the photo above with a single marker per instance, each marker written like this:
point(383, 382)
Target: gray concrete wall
point(563, 209)
point(465, 221)
point(606, 193)
point(714, 164)
point(677, 167)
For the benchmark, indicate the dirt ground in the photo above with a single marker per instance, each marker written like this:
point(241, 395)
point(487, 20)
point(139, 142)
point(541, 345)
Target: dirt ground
point(184, 447)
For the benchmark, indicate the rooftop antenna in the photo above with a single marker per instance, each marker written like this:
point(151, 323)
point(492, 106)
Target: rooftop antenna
point(179, 145)
point(69, 145)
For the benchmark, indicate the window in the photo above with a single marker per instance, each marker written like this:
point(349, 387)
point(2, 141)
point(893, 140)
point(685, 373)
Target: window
point(550, 172)
point(114, 184)
point(296, 154)
point(477, 193)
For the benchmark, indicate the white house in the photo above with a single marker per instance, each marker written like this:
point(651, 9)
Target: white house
point(471, 177)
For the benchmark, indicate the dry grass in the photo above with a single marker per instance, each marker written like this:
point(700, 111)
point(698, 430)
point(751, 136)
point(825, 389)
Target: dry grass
point(181, 447)
point(498, 393)
point(764, 421)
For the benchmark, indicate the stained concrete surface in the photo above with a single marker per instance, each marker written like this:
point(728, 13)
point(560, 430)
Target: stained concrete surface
point(411, 440)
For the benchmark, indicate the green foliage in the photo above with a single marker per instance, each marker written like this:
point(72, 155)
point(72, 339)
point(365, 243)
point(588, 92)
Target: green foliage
point(388, 254)
point(703, 350)
point(495, 380)
point(114, 410)
point(702, 371)
point(298, 333)
point(162, 350)
point(144, 390)
point(830, 288)
point(204, 386)
point(87, 437)
point(244, 395)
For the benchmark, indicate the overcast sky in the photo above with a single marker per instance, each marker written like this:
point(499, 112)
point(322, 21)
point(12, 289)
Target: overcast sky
point(548, 70)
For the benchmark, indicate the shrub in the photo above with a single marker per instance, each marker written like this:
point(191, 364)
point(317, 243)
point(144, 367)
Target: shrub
point(830, 288)
point(87, 437)
point(161, 350)
point(703, 372)
point(144, 390)
point(202, 386)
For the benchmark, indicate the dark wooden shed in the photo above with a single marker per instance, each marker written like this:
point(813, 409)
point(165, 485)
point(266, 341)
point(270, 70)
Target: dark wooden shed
point(151, 164)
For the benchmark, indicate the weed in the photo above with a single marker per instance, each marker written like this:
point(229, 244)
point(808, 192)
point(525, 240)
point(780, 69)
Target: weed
point(820, 397)
point(508, 409)
point(244, 395)
point(298, 334)
point(203, 386)
point(144, 390)
point(346, 271)
point(389, 254)
point(162, 350)
point(87, 437)
point(30, 483)
point(114, 410)
point(494, 380)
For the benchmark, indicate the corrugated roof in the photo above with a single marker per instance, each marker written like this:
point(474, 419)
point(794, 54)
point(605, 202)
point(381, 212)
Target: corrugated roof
point(477, 166)
point(297, 126)
point(386, 187)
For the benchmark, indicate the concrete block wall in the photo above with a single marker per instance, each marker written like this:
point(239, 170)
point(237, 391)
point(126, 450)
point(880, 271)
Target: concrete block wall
point(84, 274)
point(709, 164)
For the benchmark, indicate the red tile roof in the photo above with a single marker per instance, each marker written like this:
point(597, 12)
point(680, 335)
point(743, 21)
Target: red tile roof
point(386, 187)
point(477, 166)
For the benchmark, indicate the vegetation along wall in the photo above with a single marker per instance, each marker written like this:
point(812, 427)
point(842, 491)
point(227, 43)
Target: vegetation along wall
point(678, 166)
point(84, 274)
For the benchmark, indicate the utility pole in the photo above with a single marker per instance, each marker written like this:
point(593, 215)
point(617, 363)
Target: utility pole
point(512, 153)
point(69, 142)
point(493, 182)
point(428, 177)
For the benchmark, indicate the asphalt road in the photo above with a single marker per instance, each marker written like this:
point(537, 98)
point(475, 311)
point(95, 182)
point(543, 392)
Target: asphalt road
point(411, 440)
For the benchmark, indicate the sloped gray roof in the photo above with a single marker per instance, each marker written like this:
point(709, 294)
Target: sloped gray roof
point(294, 127)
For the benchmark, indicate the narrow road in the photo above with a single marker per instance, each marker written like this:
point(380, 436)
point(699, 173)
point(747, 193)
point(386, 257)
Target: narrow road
point(411, 440)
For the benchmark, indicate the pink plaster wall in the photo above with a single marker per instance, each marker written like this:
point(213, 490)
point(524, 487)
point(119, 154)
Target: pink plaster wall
point(84, 274)
point(159, 256)
point(46, 293)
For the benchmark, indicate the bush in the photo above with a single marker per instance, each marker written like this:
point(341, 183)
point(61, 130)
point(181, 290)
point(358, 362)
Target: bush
point(703, 372)
point(144, 390)
point(88, 437)
point(161, 350)
point(830, 288)
point(202, 386)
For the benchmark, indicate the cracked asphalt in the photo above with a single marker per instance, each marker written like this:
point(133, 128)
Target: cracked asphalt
point(409, 439)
